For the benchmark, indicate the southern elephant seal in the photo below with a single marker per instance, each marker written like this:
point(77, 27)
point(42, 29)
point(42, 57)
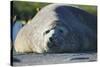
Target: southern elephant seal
point(58, 28)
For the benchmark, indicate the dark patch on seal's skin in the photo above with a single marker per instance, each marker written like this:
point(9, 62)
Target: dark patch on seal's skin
point(79, 32)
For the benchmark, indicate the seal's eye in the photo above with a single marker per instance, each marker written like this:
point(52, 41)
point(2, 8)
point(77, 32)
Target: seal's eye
point(61, 31)
point(47, 31)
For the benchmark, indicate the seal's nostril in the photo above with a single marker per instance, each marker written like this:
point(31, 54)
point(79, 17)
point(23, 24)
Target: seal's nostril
point(51, 39)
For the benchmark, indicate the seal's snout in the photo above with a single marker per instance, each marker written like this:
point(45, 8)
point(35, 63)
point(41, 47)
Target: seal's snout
point(51, 39)
point(51, 42)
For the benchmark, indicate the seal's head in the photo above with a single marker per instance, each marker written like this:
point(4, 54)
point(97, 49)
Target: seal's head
point(55, 37)
point(60, 38)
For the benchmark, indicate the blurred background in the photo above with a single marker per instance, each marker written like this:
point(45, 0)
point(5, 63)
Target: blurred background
point(27, 10)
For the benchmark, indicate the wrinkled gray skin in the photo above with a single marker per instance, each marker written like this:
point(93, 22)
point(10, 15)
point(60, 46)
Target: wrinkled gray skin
point(59, 28)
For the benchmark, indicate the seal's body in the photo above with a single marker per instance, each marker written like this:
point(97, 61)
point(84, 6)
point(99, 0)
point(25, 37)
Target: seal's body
point(58, 28)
